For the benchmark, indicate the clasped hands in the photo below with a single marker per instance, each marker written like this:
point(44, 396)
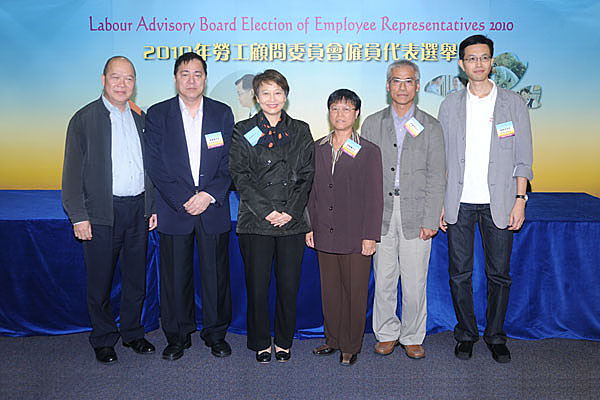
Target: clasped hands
point(278, 219)
point(198, 203)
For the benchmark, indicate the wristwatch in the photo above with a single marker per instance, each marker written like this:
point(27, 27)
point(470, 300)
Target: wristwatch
point(522, 196)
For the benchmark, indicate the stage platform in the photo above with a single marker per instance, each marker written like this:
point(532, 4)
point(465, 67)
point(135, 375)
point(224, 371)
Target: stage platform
point(555, 272)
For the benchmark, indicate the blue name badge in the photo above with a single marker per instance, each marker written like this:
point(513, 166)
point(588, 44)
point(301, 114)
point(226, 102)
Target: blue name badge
point(253, 135)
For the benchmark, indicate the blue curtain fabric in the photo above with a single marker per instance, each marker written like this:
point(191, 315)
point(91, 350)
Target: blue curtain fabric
point(555, 270)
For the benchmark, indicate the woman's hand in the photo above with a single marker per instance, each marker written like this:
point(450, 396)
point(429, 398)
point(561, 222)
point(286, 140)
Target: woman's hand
point(278, 219)
point(310, 240)
point(368, 247)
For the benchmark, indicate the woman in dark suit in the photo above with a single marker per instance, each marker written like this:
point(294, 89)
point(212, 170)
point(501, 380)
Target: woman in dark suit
point(271, 163)
point(345, 209)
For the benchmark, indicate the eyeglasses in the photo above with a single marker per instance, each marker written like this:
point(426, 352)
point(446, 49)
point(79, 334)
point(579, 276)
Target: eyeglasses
point(343, 110)
point(472, 59)
point(409, 82)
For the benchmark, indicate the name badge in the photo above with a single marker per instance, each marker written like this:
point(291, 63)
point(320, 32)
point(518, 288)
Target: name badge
point(351, 148)
point(505, 130)
point(413, 127)
point(253, 135)
point(214, 140)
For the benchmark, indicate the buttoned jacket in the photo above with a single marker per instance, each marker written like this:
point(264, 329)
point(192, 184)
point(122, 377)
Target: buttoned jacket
point(272, 179)
point(422, 170)
point(168, 164)
point(346, 207)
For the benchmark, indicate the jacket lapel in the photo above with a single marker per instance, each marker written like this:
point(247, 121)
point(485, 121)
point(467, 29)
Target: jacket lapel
point(389, 137)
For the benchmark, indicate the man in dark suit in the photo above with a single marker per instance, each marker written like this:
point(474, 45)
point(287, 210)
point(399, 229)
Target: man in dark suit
point(108, 199)
point(188, 140)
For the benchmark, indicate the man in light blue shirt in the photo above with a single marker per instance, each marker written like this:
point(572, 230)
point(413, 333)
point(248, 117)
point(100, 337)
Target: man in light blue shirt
point(110, 203)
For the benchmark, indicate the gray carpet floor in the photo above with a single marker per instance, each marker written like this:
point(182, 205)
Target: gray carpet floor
point(64, 367)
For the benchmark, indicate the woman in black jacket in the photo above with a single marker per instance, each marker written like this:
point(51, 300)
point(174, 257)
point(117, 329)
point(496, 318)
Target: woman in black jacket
point(271, 163)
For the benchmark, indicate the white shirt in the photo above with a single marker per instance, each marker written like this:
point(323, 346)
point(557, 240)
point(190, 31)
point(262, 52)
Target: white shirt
point(480, 114)
point(126, 152)
point(193, 137)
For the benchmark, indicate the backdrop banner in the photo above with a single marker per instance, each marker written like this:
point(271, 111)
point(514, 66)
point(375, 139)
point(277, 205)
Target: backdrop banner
point(53, 53)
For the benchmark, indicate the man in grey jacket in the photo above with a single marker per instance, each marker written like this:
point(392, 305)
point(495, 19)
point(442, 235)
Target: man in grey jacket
point(489, 155)
point(414, 180)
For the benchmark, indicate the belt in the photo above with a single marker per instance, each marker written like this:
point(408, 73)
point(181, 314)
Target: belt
point(136, 197)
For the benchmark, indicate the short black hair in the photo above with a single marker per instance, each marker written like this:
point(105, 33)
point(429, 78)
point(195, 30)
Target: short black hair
point(475, 39)
point(186, 58)
point(344, 95)
point(107, 64)
point(271, 75)
point(246, 81)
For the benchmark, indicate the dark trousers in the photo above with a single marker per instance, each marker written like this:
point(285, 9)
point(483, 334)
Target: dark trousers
point(344, 292)
point(125, 241)
point(177, 305)
point(497, 246)
point(258, 252)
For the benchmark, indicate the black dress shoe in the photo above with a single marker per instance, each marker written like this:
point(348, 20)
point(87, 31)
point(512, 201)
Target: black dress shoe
point(347, 359)
point(499, 352)
point(140, 346)
point(174, 351)
point(220, 349)
point(323, 350)
point(464, 350)
point(105, 355)
point(283, 356)
point(263, 357)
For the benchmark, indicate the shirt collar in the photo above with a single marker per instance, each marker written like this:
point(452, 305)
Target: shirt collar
point(184, 108)
point(329, 138)
point(491, 95)
point(111, 108)
point(402, 119)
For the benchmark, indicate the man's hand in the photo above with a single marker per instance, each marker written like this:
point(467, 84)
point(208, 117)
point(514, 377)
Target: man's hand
point(443, 223)
point(517, 215)
point(426, 233)
point(83, 230)
point(278, 219)
point(152, 222)
point(310, 240)
point(198, 203)
point(368, 247)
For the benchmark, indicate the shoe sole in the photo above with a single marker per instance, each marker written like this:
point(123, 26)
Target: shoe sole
point(173, 357)
point(324, 354)
point(501, 360)
point(107, 362)
point(413, 357)
point(139, 352)
point(220, 355)
point(348, 364)
point(462, 356)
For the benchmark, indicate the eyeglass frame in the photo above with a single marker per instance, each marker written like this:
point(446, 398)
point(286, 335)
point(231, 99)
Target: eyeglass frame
point(484, 59)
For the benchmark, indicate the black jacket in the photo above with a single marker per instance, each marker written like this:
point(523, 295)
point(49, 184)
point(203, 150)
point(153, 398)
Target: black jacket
point(87, 168)
point(277, 179)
